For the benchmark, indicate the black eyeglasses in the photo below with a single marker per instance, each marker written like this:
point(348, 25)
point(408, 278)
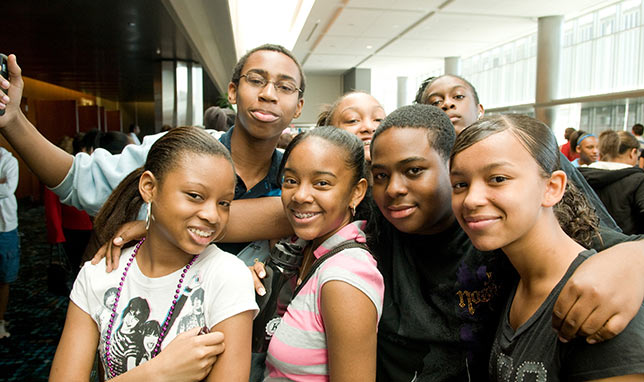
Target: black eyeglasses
point(285, 87)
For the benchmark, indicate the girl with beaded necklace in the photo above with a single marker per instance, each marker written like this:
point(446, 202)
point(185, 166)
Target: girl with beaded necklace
point(187, 183)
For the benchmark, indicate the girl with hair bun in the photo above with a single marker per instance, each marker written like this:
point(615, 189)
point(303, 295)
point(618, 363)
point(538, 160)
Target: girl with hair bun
point(519, 201)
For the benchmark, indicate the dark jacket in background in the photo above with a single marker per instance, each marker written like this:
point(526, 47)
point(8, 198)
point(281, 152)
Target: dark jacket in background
point(622, 192)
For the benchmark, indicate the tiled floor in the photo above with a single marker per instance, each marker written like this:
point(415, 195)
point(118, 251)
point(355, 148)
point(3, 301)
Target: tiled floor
point(35, 316)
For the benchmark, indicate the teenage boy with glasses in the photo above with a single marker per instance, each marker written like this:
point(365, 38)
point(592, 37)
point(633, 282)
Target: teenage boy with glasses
point(263, 112)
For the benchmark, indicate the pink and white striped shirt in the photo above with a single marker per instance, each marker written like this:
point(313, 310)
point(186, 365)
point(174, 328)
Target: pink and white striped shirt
point(298, 349)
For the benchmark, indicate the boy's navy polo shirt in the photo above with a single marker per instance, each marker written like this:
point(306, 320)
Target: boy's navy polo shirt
point(269, 186)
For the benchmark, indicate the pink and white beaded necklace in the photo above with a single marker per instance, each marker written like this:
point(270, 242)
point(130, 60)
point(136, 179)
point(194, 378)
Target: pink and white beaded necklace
point(164, 328)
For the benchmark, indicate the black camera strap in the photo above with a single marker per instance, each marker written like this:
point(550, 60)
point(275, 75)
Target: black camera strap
point(340, 247)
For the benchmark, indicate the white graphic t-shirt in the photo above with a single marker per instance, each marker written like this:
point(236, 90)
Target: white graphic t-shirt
point(217, 286)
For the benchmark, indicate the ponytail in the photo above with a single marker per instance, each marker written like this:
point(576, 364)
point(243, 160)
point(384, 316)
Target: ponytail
point(613, 144)
point(577, 217)
point(324, 118)
point(121, 207)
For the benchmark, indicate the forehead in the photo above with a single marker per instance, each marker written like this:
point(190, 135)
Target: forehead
point(486, 151)
point(316, 153)
point(186, 160)
point(446, 84)
point(397, 144)
point(589, 141)
point(358, 100)
point(275, 64)
point(208, 169)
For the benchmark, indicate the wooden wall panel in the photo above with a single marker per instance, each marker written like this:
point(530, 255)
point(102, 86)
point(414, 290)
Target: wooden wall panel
point(55, 119)
point(113, 120)
point(101, 119)
point(88, 118)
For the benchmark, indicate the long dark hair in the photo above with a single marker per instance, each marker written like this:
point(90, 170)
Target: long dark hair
point(575, 215)
point(124, 203)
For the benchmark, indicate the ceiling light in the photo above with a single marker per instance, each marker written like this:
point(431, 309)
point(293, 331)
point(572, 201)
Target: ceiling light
point(132, 24)
point(369, 46)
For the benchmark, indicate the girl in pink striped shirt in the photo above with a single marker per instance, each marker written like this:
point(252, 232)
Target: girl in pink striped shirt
point(329, 329)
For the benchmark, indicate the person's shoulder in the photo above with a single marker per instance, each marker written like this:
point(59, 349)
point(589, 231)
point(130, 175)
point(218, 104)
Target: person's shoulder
point(98, 269)
point(279, 154)
point(350, 263)
point(149, 139)
point(7, 157)
point(216, 258)
point(352, 255)
point(213, 253)
point(607, 237)
point(621, 355)
point(215, 133)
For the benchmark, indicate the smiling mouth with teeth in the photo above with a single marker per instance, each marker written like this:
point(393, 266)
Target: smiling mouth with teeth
point(200, 232)
point(302, 215)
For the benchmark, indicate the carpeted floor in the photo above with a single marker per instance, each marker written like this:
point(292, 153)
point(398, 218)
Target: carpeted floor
point(35, 316)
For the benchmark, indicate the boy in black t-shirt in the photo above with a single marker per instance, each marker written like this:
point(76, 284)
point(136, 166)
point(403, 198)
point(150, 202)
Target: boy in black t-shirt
point(443, 297)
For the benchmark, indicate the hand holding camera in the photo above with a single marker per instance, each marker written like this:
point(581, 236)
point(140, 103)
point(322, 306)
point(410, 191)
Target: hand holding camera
point(4, 72)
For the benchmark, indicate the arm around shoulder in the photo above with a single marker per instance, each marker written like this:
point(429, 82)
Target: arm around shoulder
point(257, 219)
point(604, 293)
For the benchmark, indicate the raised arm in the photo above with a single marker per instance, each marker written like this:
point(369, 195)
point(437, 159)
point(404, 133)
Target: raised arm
point(46, 160)
point(83, 181)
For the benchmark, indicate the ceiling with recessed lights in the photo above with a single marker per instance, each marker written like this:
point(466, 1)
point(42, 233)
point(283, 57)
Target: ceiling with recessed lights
point(411, 34)
point(110, 48)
